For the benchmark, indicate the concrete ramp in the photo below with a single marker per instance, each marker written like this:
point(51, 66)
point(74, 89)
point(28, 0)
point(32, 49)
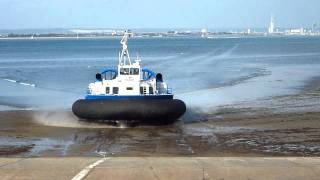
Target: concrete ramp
point(160, 168)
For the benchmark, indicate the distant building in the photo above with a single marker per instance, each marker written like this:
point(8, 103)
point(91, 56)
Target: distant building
point(204, 32)
point(172, 32)
point(314, 27)
point(271, 29)
point(299, 31)
point(249, 31)
point(92, 31)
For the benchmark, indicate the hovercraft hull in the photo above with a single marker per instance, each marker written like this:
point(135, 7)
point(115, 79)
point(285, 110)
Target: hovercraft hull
point(137, 110)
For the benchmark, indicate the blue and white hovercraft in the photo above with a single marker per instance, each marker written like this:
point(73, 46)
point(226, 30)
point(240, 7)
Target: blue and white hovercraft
point(129, 93)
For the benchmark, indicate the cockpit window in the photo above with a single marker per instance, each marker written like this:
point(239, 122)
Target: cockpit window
point(131, 71)
point(134, 71)
point(124, 71)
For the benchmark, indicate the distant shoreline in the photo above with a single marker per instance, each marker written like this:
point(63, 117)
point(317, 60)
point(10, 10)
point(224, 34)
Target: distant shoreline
point(35, 38)
point(159, 37)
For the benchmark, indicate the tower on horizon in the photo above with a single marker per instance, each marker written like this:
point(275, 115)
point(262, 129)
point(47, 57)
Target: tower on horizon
point(271, 25)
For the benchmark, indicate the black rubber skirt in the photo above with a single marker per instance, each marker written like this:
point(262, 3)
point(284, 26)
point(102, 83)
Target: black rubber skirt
point(145, 111)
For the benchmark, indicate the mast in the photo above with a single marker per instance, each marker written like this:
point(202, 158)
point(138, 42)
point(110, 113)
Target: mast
point(124, 56)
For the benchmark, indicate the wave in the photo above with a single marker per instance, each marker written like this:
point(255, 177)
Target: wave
point(27, 84)
point(20, 82)
point(10, 80)
point(267, 56)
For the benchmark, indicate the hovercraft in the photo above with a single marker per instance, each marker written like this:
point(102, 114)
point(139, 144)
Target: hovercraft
point(129, 93)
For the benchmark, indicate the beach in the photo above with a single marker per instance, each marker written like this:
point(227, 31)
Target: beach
point(281, 126)
point(243, 142)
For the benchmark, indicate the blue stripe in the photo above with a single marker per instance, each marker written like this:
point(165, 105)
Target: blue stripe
point(114, 97)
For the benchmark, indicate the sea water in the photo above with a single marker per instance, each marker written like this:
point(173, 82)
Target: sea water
point(205, 73)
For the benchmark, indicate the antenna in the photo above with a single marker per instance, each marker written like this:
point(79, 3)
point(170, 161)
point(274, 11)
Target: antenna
point(125, 52)
point(138, 56)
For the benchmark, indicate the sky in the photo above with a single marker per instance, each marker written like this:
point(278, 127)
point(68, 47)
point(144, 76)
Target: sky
point(26, 14)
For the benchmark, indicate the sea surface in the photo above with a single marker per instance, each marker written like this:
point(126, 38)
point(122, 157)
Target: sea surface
point(205, 73)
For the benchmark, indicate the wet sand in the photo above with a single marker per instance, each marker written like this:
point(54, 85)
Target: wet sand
point(276, 138)
point(281, 126)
